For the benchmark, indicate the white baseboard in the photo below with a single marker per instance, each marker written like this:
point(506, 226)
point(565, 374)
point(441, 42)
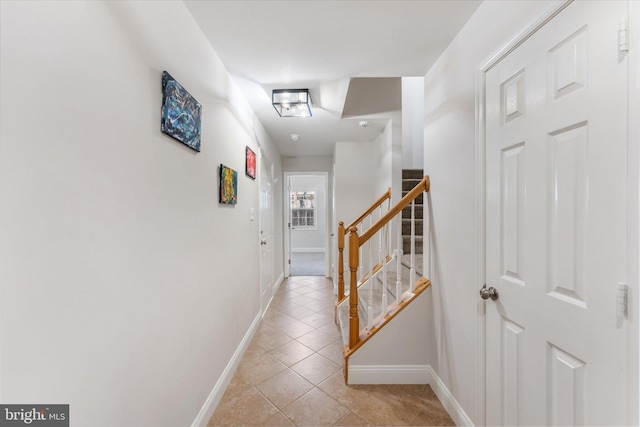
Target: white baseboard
point(279, 281)
point(410, 374)
point(206, 412)
point(309, 250)
point(389, 374)
point(451, 405)
point(276, 285)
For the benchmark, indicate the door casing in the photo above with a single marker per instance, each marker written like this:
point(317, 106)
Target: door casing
point(286, 213)
point(266, 222)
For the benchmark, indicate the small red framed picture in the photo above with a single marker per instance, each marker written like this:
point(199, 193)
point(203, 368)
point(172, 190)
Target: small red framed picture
point(251, 163)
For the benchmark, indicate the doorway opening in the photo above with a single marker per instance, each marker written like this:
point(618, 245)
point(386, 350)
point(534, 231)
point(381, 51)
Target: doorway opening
point(306, 218)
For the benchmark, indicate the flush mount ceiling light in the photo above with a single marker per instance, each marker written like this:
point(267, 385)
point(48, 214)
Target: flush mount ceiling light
point(292, 102)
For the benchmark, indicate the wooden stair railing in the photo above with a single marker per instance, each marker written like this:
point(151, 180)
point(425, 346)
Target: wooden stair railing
point(341, 234)
point(356, 336)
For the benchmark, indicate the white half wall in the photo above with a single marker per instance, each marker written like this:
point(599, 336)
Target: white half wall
point(126, 289)
point(400, 343)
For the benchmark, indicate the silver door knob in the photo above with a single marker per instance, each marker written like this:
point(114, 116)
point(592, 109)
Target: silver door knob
point(486, 293)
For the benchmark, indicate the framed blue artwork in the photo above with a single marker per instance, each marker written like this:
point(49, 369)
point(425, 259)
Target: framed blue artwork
point(181, 113)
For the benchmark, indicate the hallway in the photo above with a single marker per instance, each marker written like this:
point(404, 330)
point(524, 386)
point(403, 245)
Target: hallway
point(307, 264)
point(291, 373)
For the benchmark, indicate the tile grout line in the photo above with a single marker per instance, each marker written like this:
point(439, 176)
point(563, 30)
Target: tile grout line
point(278, 316)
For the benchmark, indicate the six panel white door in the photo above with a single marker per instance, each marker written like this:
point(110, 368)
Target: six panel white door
point(266, 234)
point(556, 186)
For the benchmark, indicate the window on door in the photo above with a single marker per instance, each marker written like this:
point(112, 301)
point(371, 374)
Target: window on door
point(303, 209)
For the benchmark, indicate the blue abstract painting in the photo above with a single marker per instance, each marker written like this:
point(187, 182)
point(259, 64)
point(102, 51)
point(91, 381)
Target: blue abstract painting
point(181, 113)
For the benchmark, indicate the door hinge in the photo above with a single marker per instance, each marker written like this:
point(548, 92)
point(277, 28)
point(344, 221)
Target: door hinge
point(623, 300)
point(623, 35)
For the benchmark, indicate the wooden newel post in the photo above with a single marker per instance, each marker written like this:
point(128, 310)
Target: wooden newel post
point(354, 261)
point(340, 260)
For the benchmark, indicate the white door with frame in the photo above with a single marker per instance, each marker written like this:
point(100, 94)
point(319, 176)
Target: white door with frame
point(556, 223)
point(306, 222)
point(266, 233)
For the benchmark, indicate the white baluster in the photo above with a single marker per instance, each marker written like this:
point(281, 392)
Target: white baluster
point(360, 251)
point(370, 304)
point(379, 218)
point(412, 271)
point(371, 264)
point(385, 303)
point(389, 242)
point(399, 261)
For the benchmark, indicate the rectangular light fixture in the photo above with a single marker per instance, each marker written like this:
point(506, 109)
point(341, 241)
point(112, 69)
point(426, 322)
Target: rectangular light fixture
point(292, 102)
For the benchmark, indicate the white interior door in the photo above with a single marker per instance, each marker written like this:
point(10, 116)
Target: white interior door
point(556, 229)
point(266, 233)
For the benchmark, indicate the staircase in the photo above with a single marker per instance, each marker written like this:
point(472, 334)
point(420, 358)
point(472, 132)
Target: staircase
point(410, 178)
point(384, 278)
point(375, 288)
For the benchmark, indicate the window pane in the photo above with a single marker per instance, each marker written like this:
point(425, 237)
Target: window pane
point(303, 209)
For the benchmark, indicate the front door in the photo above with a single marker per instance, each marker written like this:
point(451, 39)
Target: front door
point(556, 224)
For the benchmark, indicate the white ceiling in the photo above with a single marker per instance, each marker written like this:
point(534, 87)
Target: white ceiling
point(321, 45)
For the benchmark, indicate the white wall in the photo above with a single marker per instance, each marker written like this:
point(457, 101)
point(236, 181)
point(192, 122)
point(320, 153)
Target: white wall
point(449, 159)
point(355, 190)
point(412, 122)
point(382, 174)
point(370, 164)
point(125, 289)
point(308, 164)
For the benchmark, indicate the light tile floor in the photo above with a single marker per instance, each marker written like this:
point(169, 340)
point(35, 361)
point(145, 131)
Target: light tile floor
point(291, 373)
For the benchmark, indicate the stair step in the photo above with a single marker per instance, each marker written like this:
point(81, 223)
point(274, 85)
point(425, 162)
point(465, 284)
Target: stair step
point(419, 199)
point(406, 244)
point(406, 262)
point(409, 184)
point(406, 227)
point(413, 174)
point(419, 212)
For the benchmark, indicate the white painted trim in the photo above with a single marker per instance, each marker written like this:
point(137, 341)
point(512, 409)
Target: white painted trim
point(411, 374)
point(551, 9)
point(265, 169)
point(479, 258)
point(276, 285)
point(279, 281)
point(206, 412)
point(389, 374)
point(308, 250)
point(450, 404)
point(633, 250)
point(286, 213)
